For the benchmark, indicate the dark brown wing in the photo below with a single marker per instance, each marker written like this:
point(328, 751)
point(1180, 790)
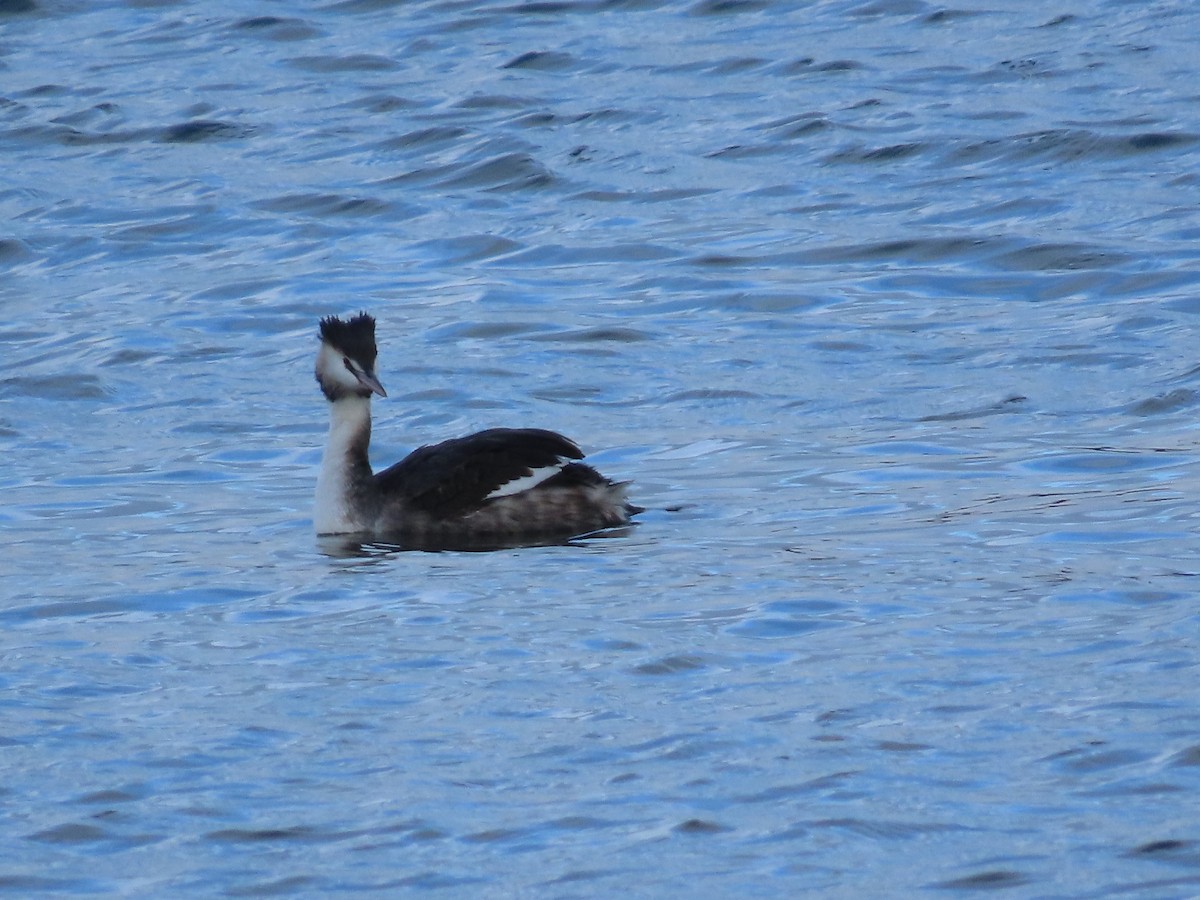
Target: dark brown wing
point(453, 477)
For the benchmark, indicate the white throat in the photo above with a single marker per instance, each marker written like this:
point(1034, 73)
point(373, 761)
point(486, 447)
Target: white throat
point(335, 511)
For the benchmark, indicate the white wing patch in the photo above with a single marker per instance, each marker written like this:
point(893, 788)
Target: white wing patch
point(526, 482)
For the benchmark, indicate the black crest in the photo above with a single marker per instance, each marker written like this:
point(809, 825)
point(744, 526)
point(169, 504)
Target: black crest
point(355, 338)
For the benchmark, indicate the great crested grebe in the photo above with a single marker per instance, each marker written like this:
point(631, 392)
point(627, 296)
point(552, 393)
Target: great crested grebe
point(502, 486)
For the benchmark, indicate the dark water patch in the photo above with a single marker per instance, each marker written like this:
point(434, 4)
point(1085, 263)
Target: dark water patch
point(507, 172)
point(728, 260)
point(1103, 460)
point(578, 823)
point(1012, 213)
point(46, 89)
point(1188, 757)
point(277, 28)
point(496, 101)
point(202, 130)
point(1051, 257)
point(105, 797)
point(736, 64)
point(539, 119)
point(744, 151)
point(1027, 67)
point(776, 627)
point(611, 645)
point(276, 887)
point(727, 7)
point(13, 250)
point(1135, 789)
point(1007, 405)
point(295, 833)
point(1069, 145)
point(68, 386)
point(987, 880)
point(902, 747)
point(949, 16)
point(365, 6)
point(1133, 597)
point(922, 250)
point(1189, 305)
point(664, 195)
point(584, 6)
point(797, 126)
point(71, 833)
point(700, 827)
point(1156, 140)
point(177, 226)
point(486, 331)
point(596, 334)
point(1096, 756)
point(497, 835)
point(1084, 358)
point(469, 248)
point(709, 395)
point(582, 395)
point(577, 875)
point(549, 7)
point(842, 347)
point(421, 138)
point(70, 136)
point(1172, 401)
point(384, 103)
point(807, 65)
point(545, 118)
point(672, 665)
point(354, 62)
point(879, 8)
point(861, 154)
point(542, 61)
point(98, 113)
point(1171, 850)
point(326, 205)
point(440, 881)
point(132, 602)
point(882, 829)
point(768, 303)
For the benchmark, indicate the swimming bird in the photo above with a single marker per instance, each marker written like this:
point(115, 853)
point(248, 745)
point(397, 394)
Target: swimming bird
point(502, 486)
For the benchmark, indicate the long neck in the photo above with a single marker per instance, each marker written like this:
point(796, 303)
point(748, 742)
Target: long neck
point(344, 498)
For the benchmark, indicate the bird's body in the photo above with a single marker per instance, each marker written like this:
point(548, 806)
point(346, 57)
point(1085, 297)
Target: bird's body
point(500, 486)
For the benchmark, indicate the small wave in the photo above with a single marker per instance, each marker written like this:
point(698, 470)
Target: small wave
point(887, 154)
point(509, 171)
point(355, 62)
point(277, 28)
point(202, 130)
point(542, 61)
point(727, 7)
point(1181, 398)
point(67, 386)
point(323, 205)
point(1068, 145)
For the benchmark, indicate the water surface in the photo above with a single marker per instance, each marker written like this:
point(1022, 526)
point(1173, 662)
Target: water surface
point(887, 308)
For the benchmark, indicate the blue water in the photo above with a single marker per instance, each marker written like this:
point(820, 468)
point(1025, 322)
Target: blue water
point(887, 308)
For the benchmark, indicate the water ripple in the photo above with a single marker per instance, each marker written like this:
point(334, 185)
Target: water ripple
point(892, 329)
